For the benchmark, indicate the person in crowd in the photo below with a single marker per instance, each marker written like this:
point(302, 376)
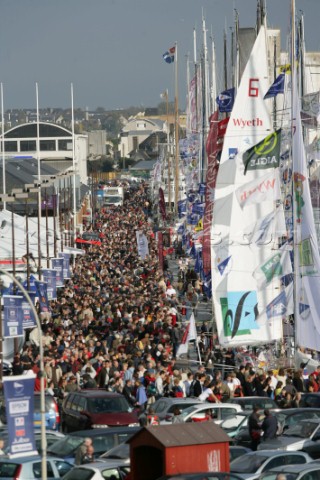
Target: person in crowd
point(269, 426)
point(254, 427)
point(88, 457)
point(82, 450)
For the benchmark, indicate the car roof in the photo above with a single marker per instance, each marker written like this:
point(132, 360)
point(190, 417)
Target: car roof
point(33, 458)
point(103, 431)
point(295, 468)
point(290, 411)
point(273, 453)
point(178, 400)
point(102, 464)
point(96, 393)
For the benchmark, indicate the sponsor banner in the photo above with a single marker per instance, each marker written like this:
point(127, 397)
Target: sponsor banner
point(42, 295)
point(57, 264)
point(160, 249)
point(263, 155)
point(142, 244)
point(19, 400)
point(211, 177)
point(28, 320)
point(49, 276)
point(277, 265)
point(162, 204)
point(12, 316)
point(66, 265)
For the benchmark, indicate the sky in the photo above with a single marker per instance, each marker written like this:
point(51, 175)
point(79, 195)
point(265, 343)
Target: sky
point(111, 50)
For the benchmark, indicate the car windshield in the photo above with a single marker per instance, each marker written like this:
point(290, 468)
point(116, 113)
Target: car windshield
point(66, 446)
point(119, 452)
point(234, 421)
point(108, 405)
point(247, 463)
point(302, 430)
point(279, 476)
point(8, 469)
point(189, 410)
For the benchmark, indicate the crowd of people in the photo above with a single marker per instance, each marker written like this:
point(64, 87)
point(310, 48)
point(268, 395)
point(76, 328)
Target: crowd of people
point(117, 324)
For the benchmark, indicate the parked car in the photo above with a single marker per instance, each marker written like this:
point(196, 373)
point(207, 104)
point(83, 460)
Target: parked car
point(96, 409)
point(247, 403)
point(309, 471)
point(286, 418)
point(304, 436)
point(120, 452)
point(51, 436)
point(203, 476)
point(165, 406)
point(29, 468)
point(236, 452)
point(197, 413)
point(103, 440)
point(99, 471)
point(310, 400)
point(251, 465)
point(52, 416)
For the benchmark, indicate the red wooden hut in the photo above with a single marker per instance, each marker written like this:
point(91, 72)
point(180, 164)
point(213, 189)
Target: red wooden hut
point(178, 448)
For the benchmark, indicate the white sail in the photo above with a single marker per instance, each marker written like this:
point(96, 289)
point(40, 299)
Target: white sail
point(307, 259)
point(242, 200)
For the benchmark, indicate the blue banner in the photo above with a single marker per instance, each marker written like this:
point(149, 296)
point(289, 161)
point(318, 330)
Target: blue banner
point(198, 207)
point(193, 218)
point(49, 276)
point(202, 189)
point(28, 320)
point(66, 265)
point(42, 295)
point(19, 400)
point(57, 264)
point(12, 316)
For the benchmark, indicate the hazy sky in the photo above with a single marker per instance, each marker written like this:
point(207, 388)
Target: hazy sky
point(112, 49)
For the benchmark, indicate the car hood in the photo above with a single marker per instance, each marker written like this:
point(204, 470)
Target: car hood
point(114, 419)
point(288, 443)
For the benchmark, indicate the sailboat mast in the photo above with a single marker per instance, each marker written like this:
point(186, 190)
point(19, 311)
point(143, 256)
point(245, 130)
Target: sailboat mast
point(213, 88)
point(205, 100)
point(176, 131)
point(225, 59)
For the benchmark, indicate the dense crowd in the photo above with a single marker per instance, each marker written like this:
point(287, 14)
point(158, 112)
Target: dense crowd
point(117, 325)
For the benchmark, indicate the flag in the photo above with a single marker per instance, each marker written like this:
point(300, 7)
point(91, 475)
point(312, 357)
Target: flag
point(199, 226)
point(276, 87)
point(169, 55)
point(142, 244)
point(285, 68)
point(189, 334)
point(265, 154)
point(225, 100)
point(310, 109)
point(262, 189)
point(162, 204)
point(277, 265)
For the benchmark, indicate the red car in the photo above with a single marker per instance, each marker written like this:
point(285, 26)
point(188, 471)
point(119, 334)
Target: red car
point(96, 409)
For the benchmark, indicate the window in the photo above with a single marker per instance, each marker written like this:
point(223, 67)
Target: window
point(103, 443)
point(62, 467)
point(75, 403)
point(69, 401)
point(65, 145)
point(227, 412)
point(135, 143)
point(8, 470)
point(111, 474)
point(10, 146)
point(161, 406)
point(36, 468)
point(28, 146)
point(47, 145)
point(82, 404)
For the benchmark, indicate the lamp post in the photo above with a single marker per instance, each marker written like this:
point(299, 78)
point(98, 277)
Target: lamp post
point(42, 392)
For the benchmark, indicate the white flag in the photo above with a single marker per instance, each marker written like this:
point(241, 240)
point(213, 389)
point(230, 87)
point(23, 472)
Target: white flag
point(189, 334)
point(265, 188)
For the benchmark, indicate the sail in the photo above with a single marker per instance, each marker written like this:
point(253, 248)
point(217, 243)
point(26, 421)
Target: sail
point(247, 268)
point(307, 259)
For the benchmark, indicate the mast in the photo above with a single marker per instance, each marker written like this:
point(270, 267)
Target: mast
point(236, 47)
point(176, 130)
point(205, 100)
point(213, 88)
point(39, 180)
point(225, 59)
point(3, 149)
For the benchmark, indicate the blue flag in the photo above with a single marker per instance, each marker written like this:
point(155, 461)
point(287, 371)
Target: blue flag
point(276, 87)
point(202, 189)
point(50, 277)
point(12, 316)
point(169, 55)
point(225, 100)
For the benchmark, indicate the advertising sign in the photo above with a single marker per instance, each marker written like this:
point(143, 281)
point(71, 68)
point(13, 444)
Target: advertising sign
point(19, 401)
point(57, 264)
point(49, 276)
point(12, 316)
point(66, 265)
point(42, 295)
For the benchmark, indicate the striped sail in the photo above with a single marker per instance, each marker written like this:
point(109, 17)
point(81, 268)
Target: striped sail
point(247, 266)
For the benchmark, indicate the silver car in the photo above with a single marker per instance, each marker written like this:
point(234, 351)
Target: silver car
point(29, 468)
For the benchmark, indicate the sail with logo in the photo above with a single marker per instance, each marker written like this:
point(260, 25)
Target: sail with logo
point(248, 267)
point(307, 259)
